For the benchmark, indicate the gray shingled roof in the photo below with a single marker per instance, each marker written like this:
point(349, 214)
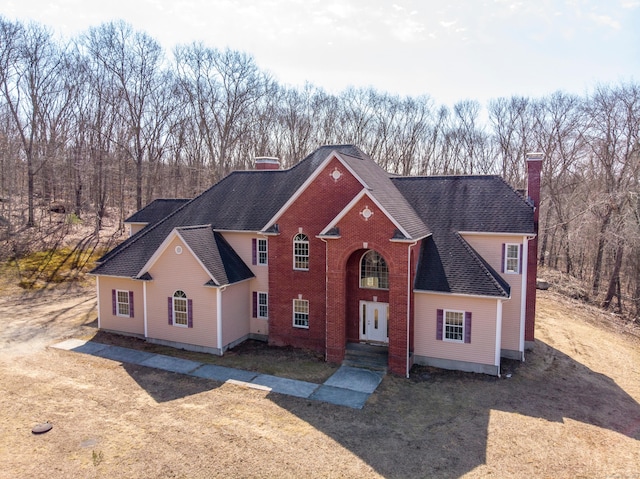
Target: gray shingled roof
point(217, 256)
point(156, 210)
point(442, 206)
point(383, 190)
point(453, 204)
point(250, 200)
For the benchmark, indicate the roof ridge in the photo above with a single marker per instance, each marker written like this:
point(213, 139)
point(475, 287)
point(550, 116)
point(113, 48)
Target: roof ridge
point(444, 177)
point(481, 263)
point(194, 227)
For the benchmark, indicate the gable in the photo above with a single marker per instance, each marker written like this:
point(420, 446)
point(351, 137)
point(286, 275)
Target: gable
point(363, 219)
point(175, 259)
point(361, 203)
point(375, 181)
point(209, 249)
point(332, 174)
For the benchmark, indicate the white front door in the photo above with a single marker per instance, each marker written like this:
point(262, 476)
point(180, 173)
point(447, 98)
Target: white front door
point(373, 321)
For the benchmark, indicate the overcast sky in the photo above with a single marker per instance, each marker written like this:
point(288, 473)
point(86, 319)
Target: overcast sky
point(450, 49)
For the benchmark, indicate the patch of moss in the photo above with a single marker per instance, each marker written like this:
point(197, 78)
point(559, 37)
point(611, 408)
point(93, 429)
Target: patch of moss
point(40, 268)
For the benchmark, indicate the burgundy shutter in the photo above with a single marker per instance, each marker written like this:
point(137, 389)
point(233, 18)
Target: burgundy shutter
point(131, 304)
point(440, 320)
point(504, 258)
point(467, 327)
point(189, 313)
point(255, 305)
point(254, 251)
point(170, 310)
point(520, 259)
point(113, 302)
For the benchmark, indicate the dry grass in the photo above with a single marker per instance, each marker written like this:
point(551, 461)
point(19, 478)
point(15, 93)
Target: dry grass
point(570, 411)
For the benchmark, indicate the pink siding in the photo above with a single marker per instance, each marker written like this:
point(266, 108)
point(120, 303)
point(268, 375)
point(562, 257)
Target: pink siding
point(490, 248)
point(481, 349)
point(113, 322)
point(173, 272)
point(135, 227)
point(242, 244)
point(235, 313)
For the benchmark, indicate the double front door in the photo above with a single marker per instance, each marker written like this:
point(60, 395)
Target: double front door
point(373, 321)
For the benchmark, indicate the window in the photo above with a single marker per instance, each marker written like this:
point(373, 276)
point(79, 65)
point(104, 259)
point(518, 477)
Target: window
point(180, 310)
point(301, 252)
point(122, 303)
point(373, 271)
point(263, 305)
point(453, 326)
point(511, 258)
point(262, 251)
point(301, 313)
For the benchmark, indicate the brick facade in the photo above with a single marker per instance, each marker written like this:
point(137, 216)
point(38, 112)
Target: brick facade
point(332, 283)
point(318, 204)
point(534, 168)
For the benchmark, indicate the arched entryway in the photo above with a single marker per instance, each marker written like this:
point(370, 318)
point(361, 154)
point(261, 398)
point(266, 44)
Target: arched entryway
point(367, 298)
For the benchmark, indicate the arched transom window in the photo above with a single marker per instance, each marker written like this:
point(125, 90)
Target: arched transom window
point(373, 271)
point(301, 252)
point(180, 312)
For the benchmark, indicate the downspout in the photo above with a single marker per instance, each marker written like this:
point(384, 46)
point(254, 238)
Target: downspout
point(409, 300)
point(498, 334)
point(98, 295)
point(219, 291)
point(523, 295)
point(326, 297)
point(144, 306)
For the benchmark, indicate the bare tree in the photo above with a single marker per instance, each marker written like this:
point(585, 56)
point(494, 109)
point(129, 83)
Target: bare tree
point(134, 60)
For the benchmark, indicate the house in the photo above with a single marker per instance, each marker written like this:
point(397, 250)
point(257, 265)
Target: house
point(440, 270)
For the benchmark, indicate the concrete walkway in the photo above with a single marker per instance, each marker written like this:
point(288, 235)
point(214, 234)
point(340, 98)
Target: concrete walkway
point(348, 386)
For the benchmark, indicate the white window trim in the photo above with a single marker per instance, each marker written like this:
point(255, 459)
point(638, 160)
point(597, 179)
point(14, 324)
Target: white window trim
point(266, 251)
point(517, 258)
point(444, 325)
point(294, 314)
point(118, 303)
point(266, 304)
point(173, 311)
point(308, 256)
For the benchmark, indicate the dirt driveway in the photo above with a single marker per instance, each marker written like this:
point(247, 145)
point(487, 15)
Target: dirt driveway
point(572, 410)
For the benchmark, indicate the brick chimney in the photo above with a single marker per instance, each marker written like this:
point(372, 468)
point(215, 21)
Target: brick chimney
point(534, 169)
point(267, 163)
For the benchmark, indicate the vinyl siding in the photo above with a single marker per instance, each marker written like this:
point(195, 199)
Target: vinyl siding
point(481, 350)
point(112, 322)
point(135, 227)
point(172, 272)
point(242, 244)
point(490, 248)
point(235, 313)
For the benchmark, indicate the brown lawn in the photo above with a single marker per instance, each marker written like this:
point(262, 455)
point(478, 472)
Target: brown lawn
point(571, 410)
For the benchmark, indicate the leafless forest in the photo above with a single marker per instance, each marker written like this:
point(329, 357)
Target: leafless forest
point(103, 123)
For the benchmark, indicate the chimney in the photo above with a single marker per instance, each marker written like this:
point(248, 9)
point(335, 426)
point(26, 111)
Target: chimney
point(534, 168)
point(267, 163)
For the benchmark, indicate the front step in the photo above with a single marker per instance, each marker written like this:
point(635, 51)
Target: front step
point(367, 356)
